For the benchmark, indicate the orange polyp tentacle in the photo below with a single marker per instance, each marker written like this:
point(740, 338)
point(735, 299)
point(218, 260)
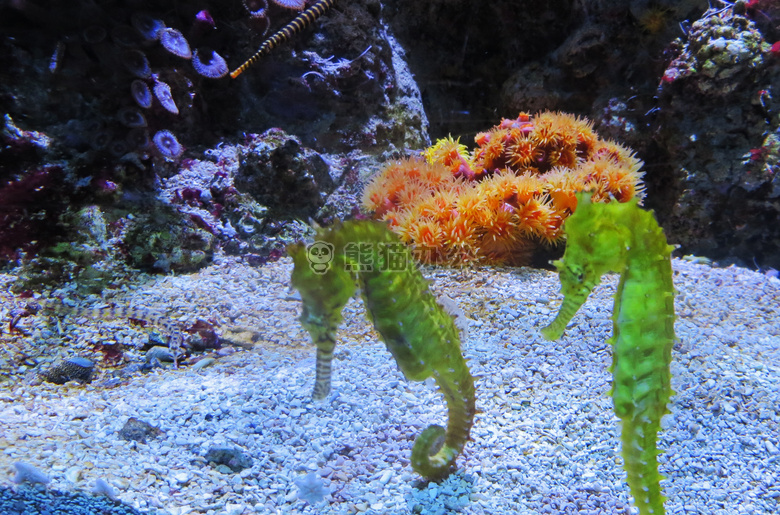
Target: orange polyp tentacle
point(496, 207)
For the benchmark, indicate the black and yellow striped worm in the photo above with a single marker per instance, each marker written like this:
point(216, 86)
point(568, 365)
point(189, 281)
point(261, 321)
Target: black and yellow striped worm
point(300, 22)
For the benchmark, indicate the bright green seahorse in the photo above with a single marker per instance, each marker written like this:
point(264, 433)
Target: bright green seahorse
point(621, 237)
point(417, 331)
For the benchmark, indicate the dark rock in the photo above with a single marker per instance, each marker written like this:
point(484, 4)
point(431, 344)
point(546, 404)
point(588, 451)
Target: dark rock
point(163, 240)
point(715, 184)
point(234, 458)
point(160, 353)
point(72, 369)
point(138, 431)
point(281, 174)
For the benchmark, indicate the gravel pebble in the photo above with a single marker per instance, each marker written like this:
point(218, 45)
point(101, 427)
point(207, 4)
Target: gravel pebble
point(545, 439)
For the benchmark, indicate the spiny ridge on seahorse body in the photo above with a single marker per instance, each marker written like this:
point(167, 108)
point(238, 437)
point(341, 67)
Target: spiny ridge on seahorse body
point(621, 237)
point(114, 312)
point(417, 331)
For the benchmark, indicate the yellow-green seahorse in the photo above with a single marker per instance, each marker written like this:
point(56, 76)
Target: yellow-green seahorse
point(417, 331)
point(621, 237)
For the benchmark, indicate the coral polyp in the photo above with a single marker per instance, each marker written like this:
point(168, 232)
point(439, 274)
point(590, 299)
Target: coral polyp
point(498, 202)
point(175, 42)
point(213, 67)
point(167, 145)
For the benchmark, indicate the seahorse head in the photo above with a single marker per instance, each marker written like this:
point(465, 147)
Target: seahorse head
point(577, 277)
point(597, 241)
point(599, 233)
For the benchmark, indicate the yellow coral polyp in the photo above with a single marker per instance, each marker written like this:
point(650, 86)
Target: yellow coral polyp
point(529, 185)
point(566, 157)
point(411, 192)
point(494, 151)
point(511, 193)
point(437, 176)
point(545, 134)
point(470, 204)
point(447, 151)
point(616, 152)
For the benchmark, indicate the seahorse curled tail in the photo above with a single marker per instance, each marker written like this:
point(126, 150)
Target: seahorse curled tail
point(417, 331)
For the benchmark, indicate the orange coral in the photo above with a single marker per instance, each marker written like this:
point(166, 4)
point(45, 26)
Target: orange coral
point(496, 203)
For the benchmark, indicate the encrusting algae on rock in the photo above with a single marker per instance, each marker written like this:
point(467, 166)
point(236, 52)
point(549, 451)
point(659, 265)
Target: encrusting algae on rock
point(497, 203)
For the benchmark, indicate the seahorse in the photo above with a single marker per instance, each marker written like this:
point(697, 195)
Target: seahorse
point(417, 331)
point(300, 22)
point(113, 312)
point(621, 237)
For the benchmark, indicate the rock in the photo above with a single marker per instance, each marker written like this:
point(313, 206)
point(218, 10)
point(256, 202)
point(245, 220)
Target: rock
point(103, 488)
point(203, 363)
point(138, 430)
point(71, 369)
point(73, 474)
point(233, 458)
point(283, 175)
point(26, 473)
point(162, 354)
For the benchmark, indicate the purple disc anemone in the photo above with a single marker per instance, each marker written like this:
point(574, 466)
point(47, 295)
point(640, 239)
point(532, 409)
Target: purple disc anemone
point(100, 140)
point(94, 34)
point(174, 42)
point(213, 68)
point(125, 36)
point(167, 145)
point(141, 94)
point(138, 139)
point(291, 4)
point(117, 148)
point(136, 63)
point(256, 8)
point(148, 27)
point(131, 117)
point(163, 93)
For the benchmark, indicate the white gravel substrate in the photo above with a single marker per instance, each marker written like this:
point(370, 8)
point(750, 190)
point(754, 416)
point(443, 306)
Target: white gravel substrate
point(545, 439)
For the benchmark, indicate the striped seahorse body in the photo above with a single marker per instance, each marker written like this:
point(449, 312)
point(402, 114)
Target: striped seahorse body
point(621, 237)
point(324, 296)
point(419, 334)
point(300, 22)
point(114, 312)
